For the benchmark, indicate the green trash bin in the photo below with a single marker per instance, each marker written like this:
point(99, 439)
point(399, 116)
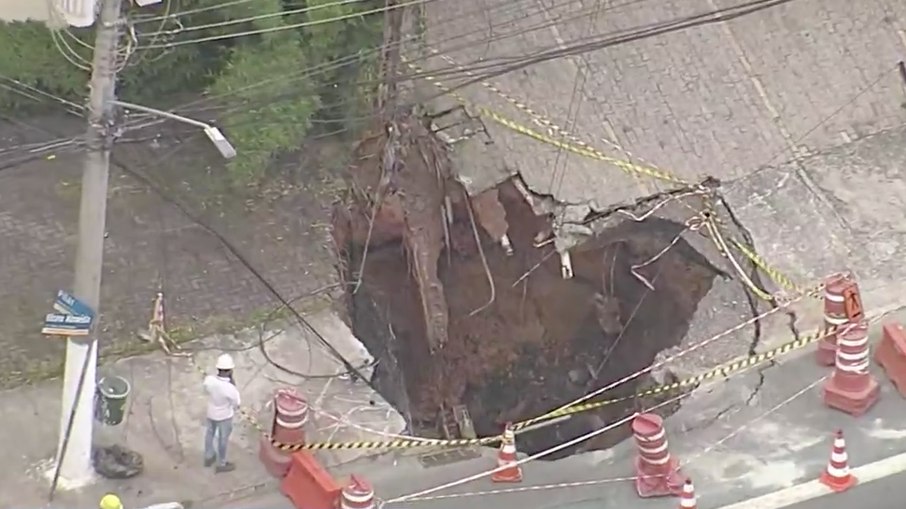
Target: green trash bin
point(110, 400)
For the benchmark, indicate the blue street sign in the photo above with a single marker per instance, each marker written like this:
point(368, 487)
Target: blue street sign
point(68, 305)
point(66, 325)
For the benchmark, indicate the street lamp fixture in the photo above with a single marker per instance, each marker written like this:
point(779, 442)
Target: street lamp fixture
point(217, 138)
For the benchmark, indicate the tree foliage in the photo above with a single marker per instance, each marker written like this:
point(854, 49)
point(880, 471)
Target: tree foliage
point(268, 102)
point(269, 114)
point(29, 55)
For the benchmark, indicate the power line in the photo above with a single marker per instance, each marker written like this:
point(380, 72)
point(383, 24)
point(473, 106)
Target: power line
point(502, 65)
point(354, 58)
point(74, 143)
point(269, 15)
point(175, 15)
point(623, 36)
point(167, 197)
point(290, 26)
point(198, 220)
point(538, 455)
point(351, 59)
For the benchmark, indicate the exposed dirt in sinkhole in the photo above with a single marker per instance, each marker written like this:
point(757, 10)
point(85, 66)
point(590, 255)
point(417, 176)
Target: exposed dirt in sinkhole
point(543, 341)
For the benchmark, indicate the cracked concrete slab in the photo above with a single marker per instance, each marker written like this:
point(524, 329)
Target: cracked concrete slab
point(837, 210)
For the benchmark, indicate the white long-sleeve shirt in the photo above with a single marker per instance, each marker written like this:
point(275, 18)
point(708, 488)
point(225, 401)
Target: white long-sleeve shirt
point(223, 397)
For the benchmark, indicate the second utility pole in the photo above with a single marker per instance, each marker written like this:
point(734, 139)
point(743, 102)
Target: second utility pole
point(76, 430)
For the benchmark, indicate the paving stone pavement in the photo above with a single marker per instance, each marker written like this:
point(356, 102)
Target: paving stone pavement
point(150, 245)
point(720, 99)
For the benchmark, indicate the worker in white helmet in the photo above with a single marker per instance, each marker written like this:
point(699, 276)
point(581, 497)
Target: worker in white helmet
point(223, 401)
point(110, 501)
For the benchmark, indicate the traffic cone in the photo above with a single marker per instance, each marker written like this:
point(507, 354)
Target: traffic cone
point(507, 458)
point(687, 497)
point(836, 476)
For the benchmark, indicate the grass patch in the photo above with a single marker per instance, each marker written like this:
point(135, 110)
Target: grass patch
point(214, 325)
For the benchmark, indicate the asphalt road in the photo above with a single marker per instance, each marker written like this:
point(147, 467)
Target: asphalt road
point(885, 493)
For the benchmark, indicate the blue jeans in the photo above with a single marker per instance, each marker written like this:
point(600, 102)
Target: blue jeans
point(219, 430)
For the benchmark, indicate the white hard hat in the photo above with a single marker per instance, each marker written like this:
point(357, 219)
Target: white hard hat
point(225, 362)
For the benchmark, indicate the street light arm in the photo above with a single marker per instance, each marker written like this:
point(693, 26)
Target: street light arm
point(161, 113)
point(220, 142)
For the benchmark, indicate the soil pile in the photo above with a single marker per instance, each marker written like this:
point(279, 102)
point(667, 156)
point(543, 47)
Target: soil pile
point(457, 319)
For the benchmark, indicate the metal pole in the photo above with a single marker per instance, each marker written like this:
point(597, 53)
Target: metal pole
point(220, 142)
point(161, 113)
point(67, 432)
point(75, 465)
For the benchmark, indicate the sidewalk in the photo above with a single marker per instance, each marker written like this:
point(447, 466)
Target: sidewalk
point(165, 416)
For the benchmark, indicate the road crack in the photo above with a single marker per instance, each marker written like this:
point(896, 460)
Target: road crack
point(752, 300)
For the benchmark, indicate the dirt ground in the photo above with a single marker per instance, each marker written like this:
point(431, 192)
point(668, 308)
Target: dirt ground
point(533, 340)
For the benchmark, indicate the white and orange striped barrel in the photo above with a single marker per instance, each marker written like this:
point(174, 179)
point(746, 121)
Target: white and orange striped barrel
point(835, 287)
point(290, 416)
point(357, 494)
point(651, 441)
point(852, 349)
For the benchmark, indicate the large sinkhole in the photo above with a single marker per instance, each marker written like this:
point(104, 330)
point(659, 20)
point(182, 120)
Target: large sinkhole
point(543, 341)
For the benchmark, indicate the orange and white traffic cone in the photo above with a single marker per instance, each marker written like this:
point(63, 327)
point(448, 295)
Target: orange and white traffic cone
point(837, 476)
point(687, 497)
point(507, 458)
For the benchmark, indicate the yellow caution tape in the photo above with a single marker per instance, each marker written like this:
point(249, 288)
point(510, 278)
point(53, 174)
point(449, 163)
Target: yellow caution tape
point(718, 239)
point(585, 151)
point(582, 148)
point(725, 370)
point(389, 444)
point(778, 277)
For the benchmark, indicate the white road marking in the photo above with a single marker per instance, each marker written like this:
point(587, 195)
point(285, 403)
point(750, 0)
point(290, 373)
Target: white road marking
point(813, 489)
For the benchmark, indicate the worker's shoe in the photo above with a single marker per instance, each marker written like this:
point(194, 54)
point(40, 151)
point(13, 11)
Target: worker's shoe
point(209, 461)
point(226, 467)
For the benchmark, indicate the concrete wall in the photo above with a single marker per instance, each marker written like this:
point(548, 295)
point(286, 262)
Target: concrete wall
point(21, 10)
